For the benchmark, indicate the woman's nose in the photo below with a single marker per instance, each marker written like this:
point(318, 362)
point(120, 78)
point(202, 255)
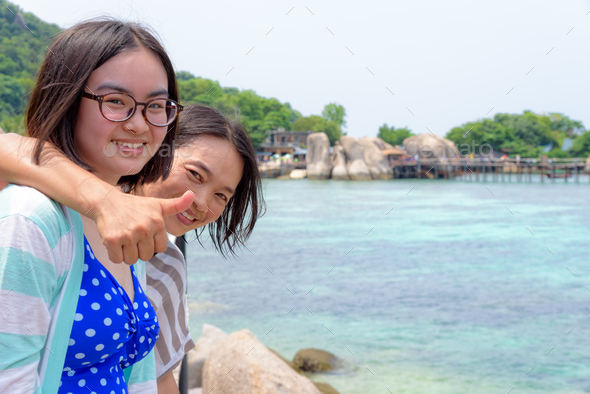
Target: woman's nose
point(202, 202)
point(137, 124)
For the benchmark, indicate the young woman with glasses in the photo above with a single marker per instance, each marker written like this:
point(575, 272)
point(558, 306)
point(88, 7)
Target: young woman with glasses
point(214, 159)
point(73, 319)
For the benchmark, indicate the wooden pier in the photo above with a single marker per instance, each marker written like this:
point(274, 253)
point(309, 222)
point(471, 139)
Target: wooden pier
point(494, 170)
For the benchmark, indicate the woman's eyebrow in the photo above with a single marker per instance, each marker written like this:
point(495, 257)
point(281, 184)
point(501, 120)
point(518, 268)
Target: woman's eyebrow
point(160, 92)
point(113, 87)
point(117, 88)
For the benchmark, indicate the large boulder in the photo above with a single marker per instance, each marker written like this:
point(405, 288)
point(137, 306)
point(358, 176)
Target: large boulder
point(318, 156)
point(197, 356)
point(378, 164)
point(355, 161)
point(298, 174)
point(241, 364)
point(314, 360)
point(430, 146)
point(339, 160)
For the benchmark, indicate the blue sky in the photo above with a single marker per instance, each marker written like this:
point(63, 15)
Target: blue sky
point(428, 65)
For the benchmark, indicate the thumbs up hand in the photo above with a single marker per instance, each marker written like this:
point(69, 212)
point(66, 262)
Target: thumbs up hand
point(132, 227)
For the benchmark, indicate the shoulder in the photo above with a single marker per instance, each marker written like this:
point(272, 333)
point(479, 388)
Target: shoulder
point(32, 206)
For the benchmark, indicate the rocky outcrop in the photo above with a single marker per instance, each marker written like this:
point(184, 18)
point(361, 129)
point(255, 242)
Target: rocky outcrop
point(197, 356)
point(339, 161)
point(314, 360)
point(430, 146)
point(241, 364)
point(298, 174)
point(377, 163)
point(318, 156)
point(355, 164)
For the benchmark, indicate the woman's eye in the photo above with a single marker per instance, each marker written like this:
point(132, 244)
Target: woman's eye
point(155, 106)
point(196, 175)
point(114, 102)
point(222, 196)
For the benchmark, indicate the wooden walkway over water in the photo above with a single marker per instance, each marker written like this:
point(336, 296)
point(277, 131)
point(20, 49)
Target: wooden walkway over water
point(494, 170)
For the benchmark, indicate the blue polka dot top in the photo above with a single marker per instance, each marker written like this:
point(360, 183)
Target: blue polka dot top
point(110, 332)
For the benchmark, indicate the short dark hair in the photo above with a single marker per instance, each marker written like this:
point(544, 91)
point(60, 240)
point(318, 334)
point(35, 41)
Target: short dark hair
point(235, 225)
point(73, 56)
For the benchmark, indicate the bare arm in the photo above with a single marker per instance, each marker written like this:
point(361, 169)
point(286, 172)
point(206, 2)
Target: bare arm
point(131, 227)
point(167, 385)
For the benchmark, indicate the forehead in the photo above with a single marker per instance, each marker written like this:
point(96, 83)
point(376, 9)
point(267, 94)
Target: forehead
point(219, 156)
point(139, 71)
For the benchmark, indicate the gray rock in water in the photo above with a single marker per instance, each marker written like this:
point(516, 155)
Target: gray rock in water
point(314, 360)
point(356, 167)
point(377, 163)
point(318, 156)
point(339, 160)
point(430, 146)
point(197, 356)
point(241, 364)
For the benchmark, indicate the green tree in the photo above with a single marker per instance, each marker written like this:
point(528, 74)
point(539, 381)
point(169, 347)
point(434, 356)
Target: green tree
point(336, 113)
point(21, 51)
point(319, 125)
point(581, 146)
point(394, 136)
point(260, 114)
point(525, 134)
point(184, 76)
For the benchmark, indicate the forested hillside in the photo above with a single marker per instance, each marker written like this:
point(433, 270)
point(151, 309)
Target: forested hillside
point(23, 40)
point(527, 134)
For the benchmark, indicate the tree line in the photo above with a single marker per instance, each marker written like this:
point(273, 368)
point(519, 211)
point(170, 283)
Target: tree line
point(527, 134)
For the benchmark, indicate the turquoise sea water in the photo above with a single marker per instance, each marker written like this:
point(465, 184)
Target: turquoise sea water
point(419, 286)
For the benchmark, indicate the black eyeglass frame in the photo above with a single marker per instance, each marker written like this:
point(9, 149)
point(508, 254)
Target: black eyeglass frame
point(100, 98)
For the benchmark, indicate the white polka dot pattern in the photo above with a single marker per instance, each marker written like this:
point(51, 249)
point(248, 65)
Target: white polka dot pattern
point(110, 332)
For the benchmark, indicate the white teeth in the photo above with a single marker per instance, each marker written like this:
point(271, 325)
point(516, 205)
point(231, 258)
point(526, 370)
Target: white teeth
point(186, 215)
point(127, 144)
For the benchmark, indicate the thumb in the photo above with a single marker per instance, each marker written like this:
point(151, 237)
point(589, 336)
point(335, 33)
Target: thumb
point(176, 205)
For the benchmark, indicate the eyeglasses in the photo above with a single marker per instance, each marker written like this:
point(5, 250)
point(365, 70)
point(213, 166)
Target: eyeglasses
point(118, 107)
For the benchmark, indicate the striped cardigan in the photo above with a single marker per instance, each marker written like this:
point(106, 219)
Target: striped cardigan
point(166, 288)
point(41, 261)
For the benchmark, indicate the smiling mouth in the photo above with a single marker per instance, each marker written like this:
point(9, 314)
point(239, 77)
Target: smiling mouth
point(189, 217)
point(129, 145)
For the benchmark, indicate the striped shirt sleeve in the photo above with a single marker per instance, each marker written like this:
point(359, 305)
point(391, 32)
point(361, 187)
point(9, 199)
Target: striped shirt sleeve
point(166, 289)
point(32, 241)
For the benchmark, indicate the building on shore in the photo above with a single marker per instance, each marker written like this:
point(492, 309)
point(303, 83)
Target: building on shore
point(283, 141)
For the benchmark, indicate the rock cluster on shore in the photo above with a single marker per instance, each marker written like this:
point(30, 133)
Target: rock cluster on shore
point(239, 363)
point(352, 159)
point(430, 146)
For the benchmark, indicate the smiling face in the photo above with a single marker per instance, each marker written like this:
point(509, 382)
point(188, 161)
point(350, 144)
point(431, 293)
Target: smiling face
point(211, 169)
point(115, 149)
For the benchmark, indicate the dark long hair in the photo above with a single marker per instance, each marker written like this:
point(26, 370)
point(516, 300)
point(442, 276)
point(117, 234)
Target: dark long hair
point(73, 56)
point(236, 223)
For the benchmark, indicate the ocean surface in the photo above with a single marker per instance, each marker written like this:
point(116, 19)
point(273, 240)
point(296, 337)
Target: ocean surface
point(418, 286)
